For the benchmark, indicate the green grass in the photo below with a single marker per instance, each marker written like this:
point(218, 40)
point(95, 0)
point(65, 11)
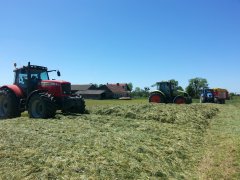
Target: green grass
point(221, 158)
point(125, 140)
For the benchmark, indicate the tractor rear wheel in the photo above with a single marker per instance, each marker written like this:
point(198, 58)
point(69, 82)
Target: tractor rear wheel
point(9, 104)
point(179, 100)
point(156, 98)
point(41, 105)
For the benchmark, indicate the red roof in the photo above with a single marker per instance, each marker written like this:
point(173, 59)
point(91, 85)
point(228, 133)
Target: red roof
point(117, 88)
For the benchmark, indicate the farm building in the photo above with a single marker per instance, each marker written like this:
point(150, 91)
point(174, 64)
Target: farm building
point(108, 91)
point(116, 91)
point(82, 87)
point(88, 91)
point(92, 94)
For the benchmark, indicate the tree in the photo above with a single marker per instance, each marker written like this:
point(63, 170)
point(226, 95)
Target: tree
point(190, 91)
point(138, 92)
point(180, 88)
point(96, 85)
point(195, 85)
point(130, 85)
point(175, 83)
point(146, 92)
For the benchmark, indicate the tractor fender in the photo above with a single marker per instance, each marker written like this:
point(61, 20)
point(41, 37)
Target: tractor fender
point(33, 93)
point(15, 89)
point(159, 92)
point(182, 93)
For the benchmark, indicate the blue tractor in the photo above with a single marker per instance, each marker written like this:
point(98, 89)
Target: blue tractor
point(207, 96)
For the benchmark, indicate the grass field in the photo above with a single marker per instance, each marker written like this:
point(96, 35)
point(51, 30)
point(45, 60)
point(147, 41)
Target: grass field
point(125, 140)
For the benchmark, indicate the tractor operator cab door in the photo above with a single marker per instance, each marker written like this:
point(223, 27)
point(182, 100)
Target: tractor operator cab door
point(165, 88)
point(35, 75)
point(21, 79)
point(173, 90)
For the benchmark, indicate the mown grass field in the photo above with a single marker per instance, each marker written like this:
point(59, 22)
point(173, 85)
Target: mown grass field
point(125, 140)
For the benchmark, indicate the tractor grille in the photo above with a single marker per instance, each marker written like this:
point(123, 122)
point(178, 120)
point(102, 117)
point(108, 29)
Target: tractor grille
point(66, 89)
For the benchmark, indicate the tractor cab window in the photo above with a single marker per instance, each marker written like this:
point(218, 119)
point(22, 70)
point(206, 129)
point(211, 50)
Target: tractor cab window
point(173, 87)
point(39, 74)
point(44, 75)
point(21, 78)
point(165, 88)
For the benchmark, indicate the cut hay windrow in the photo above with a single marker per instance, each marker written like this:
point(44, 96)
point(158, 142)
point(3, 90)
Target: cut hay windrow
point(112, 142)
point(176, 114)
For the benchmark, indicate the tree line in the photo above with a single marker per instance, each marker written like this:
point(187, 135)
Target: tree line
point(193, 89)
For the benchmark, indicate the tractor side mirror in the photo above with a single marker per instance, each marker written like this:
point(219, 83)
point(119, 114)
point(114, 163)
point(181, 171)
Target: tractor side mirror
point(58, 73)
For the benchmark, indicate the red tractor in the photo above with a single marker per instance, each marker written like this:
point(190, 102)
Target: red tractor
point(35, 92)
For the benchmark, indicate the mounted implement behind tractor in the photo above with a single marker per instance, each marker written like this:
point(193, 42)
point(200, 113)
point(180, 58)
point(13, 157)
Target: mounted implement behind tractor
point(167, 93)
point(33, 91)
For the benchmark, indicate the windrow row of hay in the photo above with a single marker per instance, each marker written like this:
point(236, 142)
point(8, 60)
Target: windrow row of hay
point(197, 113)
point(112, 142)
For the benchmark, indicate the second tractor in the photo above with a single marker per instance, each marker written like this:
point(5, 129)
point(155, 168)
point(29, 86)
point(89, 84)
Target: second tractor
point(167, 93)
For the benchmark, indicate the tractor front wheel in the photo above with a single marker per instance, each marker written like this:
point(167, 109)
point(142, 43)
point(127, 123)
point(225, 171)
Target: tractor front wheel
point(41, 105)
point(155, 98)
point(9, 104)
point(74, 104)
point(180, 100)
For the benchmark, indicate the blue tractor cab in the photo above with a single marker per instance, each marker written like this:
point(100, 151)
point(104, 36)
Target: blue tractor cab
point(207, 96)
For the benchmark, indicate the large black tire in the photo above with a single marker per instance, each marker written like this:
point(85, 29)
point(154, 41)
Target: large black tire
point(42, 105)
point(80, 105)
point(222, 101)
point(9, 104)
point(179, 100)
point(156, 98)
point(75, 104)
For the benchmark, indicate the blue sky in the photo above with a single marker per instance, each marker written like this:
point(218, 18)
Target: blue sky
point(138, 41)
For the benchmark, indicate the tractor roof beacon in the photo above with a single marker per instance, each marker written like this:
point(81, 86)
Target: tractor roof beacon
point(167, 93)
point(33, 91)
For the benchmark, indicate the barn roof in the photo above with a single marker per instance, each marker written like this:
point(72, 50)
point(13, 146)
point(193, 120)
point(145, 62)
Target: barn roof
point(82, 87)
point(116, 88)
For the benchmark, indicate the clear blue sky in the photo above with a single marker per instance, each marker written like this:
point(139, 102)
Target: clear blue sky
point(138, 41)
